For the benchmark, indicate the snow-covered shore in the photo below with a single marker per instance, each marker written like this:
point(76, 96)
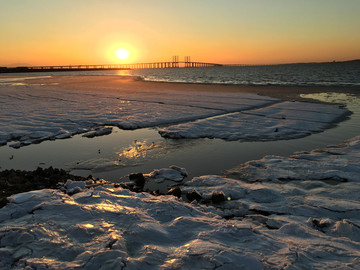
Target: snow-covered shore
point(276, 215)
point(297, 212)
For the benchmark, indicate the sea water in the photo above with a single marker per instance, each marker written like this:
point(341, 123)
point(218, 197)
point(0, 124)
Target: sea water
point(336, 74)
point(324, 74)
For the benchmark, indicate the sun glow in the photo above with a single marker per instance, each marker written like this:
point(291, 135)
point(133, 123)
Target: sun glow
point(122, 54)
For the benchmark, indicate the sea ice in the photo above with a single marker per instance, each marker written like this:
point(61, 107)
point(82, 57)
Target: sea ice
point(334, 163)
point(100, 131)
point(174, 173)
point(31, 114)
point(284, 120)
point(268, 220)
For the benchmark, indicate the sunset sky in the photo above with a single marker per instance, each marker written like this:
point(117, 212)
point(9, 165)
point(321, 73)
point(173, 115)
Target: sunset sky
point(62, 32)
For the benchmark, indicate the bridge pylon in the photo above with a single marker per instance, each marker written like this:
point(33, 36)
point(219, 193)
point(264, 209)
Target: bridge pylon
point(175, 61)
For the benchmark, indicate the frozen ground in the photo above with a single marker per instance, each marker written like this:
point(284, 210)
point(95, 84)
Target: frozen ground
point(31, 114)
point(277, 215)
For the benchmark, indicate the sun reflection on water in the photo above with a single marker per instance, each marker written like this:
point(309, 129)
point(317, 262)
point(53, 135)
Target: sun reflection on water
point(135, 153)
point(140, 150)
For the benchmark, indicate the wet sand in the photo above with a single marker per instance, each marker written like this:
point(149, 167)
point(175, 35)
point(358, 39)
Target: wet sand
point(123, 84)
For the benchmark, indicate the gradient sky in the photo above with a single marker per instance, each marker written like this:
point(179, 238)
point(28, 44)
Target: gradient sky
point(62, 32)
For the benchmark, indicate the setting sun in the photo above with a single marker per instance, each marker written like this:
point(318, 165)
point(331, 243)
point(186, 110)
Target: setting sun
point(122, 54)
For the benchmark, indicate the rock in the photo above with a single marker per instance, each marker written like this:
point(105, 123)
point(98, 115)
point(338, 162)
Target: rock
point(175, 192)
point(193, 195)
point(18, 181)
point(127, 185)
point(182, 171)
point(138, 179)
point(156, 192)
point(217, 197)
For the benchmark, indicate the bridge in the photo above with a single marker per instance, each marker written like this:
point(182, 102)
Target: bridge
point(173, 64)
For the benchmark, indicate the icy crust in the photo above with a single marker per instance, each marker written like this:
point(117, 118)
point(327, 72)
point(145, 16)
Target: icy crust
point(174, 173)
point(30, 113)
point(285, 120)
point(334, 163)
point(112, 228)
point(274, 223)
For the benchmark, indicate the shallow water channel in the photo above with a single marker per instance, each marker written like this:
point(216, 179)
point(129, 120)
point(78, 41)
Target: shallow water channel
point(124, 151)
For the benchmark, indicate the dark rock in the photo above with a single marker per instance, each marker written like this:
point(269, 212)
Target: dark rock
point(217, 197)
point(16, 181)
point(193, 195)
point(156, 192)
point(138, 179)
point(320, 224)
point(127, 185)
point(175, 192)
point(137, 189)
point(276, 130)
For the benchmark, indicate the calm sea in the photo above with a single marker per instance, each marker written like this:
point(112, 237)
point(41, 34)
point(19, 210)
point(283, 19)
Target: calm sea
point(322, 74)
point(325, 74)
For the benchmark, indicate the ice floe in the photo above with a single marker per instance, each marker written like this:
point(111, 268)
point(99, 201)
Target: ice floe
point(30, 113)
point(100, 131)
point(284, 120)
point(263, 220)
point(334, 163)
point(174, 173)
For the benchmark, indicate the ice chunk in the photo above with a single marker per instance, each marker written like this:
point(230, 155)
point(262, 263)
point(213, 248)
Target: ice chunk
point(98, 132)
point(174, 173)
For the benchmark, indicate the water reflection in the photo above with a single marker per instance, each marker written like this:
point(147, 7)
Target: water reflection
point(137, 153)
point(20, 80)
point(140, 150)
point(88, 226)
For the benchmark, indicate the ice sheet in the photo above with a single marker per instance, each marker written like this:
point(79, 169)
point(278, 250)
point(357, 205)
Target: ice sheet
point(30, 114)
point(284, 120)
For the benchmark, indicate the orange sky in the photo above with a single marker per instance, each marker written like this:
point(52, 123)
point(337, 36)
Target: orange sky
point(62, 32)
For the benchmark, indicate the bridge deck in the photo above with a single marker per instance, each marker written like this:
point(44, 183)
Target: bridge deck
point(108, 67)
